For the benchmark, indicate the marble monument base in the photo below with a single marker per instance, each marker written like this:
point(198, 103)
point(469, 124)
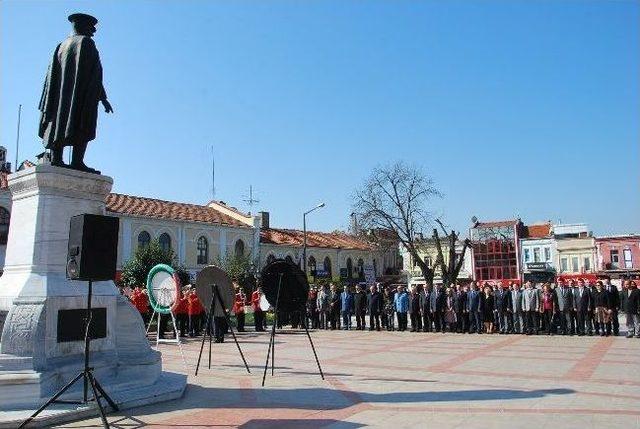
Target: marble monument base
point(37, 357)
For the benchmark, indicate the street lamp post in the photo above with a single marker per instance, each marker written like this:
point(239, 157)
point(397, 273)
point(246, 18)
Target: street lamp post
point(304, 236)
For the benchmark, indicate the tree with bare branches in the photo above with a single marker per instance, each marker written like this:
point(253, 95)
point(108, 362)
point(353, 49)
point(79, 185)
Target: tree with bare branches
point(452, 265)
point(397, 197)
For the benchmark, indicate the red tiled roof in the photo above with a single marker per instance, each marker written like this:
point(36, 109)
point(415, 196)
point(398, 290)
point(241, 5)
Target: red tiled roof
point(537, 231)
point(231, 208)
point(149, 207)
point(496, 224)
point(332, 240)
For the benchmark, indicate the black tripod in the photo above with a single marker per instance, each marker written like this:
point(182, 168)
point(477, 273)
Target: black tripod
point(272, 341)
point(86, 375)
point(216, 298)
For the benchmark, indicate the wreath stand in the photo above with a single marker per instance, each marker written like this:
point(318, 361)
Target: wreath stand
point(271, 352)
point(216, 298)
point(167, 340)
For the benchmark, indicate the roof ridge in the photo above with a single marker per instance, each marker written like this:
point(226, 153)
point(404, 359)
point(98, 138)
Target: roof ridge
point(163, 201)
point(309, 231)
point(133, 205)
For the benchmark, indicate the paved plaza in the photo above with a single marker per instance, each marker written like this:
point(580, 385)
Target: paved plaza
point(392, 379)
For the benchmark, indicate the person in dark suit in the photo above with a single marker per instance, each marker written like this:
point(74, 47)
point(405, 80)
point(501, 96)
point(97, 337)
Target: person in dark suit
point(502, 303)
point(474, 308)
point(425, 307)
point(630, 304)
point(592, 326)
point(564, 296)
point(334, 306)
point(414, 310)
point(374, 308)
point(487, 304)
point(360, 307)
point(613, 326)
point(438, 299)
point(582, 306)
point(460, 307)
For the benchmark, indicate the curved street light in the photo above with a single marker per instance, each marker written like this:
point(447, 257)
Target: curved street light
point(304, 236)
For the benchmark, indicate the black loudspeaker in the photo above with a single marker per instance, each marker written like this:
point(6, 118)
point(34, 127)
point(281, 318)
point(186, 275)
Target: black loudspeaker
point(93, 247)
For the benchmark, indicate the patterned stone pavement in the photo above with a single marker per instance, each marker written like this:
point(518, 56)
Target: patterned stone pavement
point(403, 380)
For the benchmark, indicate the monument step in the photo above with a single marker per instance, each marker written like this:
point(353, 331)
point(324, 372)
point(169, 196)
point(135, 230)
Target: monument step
point(168, 387)
point(15, 363)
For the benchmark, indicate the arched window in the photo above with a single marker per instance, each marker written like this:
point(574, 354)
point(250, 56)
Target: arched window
point(5, 217)
point(165, 242)
point(360, 268)
point(289, 259)
point(270, 259)
point(203, 250)
point(349, 268)
point(327, 265)
point(311, 264)
point(144, 238)
point(239, 248)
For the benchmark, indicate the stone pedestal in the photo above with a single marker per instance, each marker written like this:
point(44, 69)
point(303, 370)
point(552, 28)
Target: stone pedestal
point(34, 363)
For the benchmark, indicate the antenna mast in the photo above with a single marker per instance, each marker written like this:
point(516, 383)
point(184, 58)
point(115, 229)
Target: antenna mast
point(251, 201)
point(18, 136)
point(213, 175)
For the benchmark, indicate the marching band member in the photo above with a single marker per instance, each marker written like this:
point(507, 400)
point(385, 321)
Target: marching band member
point(238, 308)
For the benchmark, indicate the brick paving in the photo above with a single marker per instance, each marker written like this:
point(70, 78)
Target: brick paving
point(403, 380)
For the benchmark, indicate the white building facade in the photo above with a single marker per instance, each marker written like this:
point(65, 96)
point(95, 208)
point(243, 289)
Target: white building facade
point(538, 253)
point(576, 250)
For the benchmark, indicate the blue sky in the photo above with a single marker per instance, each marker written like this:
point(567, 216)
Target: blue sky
point(526, 108)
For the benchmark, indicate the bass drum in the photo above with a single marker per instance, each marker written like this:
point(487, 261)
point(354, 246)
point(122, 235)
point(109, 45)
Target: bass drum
point(264, 303)
point(285, 283)
point(209, 276)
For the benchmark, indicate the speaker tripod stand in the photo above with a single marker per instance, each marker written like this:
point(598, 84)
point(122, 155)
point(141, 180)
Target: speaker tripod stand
point(216, 298)
point(271, 352)
point(89, 380)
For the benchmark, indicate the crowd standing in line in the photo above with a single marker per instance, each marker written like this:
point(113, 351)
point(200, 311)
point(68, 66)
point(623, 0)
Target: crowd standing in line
point(573, 308)
point(566, 308)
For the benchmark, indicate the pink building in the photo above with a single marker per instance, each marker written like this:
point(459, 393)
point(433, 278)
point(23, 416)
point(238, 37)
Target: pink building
point(619, 255)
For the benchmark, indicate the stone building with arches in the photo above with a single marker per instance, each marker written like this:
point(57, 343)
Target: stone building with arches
point(332, 255)
point(199, 235)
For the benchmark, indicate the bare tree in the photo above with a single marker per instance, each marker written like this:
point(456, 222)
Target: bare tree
point(397, 197)
point(452, 265)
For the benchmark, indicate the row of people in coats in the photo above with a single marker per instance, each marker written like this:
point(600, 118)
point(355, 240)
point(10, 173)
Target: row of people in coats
point(328, 308)
point(575, 308)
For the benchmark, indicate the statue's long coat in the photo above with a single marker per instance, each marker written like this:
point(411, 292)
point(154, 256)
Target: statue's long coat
point(72, 90)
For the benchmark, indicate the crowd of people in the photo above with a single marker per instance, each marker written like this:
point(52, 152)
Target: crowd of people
point(188, 311)
point(574, 308)
point(191, 316)
point(565, 308)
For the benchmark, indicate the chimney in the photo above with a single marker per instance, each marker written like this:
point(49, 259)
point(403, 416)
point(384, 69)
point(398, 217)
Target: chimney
point(264, 220)
point(355, 230)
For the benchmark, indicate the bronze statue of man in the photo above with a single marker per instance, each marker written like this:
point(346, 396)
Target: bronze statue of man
point(72, 90)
